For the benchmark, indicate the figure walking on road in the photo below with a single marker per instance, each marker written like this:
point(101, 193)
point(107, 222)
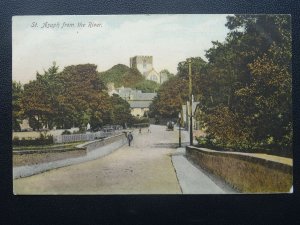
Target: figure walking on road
point(129, 138)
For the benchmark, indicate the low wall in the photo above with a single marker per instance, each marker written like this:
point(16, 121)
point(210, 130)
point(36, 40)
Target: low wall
point(95, 149)
point(92, 145)
point(245, 172)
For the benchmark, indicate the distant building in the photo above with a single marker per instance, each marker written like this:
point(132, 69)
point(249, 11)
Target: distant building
point(139, 102)
point(25, 125)
point(186, 118)
point(163, 77)
point(144, 64)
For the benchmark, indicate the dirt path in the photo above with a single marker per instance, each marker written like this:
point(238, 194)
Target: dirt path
point(143, 168)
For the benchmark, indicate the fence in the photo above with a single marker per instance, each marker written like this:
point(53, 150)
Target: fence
point(82, 137)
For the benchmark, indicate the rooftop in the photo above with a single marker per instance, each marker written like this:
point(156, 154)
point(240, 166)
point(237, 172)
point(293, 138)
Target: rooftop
point(139, 104)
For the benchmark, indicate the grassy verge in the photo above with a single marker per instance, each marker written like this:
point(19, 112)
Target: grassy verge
point(37, 158)
point(48, 147)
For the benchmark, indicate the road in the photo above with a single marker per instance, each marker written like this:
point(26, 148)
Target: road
point(146, 167)
point(143, 168)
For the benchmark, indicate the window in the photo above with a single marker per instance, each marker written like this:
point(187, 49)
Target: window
point(153, 77)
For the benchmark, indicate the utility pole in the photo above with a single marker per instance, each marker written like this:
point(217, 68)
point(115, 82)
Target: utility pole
point(179, 117)
point(190, 99)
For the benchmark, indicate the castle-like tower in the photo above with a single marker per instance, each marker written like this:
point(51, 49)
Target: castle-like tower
point(144, 64)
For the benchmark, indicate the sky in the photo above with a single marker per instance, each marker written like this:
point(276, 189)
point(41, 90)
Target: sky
point(38, 41)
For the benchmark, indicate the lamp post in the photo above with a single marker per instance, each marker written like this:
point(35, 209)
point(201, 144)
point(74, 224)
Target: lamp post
point(179, 116)
point(190, 100)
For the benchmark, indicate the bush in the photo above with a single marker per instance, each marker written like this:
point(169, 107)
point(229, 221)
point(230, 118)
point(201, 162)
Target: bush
point(29, 142)
point(16, 138)
point(204, 141)
point(66, 132)
point(79, 132)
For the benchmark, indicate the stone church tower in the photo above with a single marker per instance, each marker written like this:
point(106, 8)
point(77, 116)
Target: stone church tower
point(144, 64)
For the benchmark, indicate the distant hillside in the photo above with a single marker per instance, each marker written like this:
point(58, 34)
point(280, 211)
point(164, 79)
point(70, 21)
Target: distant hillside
point(122, 75)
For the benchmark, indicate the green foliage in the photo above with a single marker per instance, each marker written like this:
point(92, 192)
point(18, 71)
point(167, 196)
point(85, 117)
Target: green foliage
point(147, 86)
point(120, 114)
point(39, 98)
point(115, 74)
point(246, 86)
point(17, 91)
point(174, 92)
point(167, 73)
point(74, 97)
point(169, 98)
point(122, 75)
point(65, 132)
point(140, 122)
point(42, 140)
point(244, 89)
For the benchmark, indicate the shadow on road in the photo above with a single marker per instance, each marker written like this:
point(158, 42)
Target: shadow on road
point(169, 145)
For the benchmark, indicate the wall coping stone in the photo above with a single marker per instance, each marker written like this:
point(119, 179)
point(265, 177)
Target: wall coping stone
point(249, 157)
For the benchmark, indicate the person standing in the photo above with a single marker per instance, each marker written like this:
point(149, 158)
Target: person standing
point(129, 138)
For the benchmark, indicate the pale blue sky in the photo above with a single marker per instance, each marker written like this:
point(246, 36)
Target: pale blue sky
point(168, 38)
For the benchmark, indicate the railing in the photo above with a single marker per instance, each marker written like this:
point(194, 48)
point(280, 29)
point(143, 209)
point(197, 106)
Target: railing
point(83, 137)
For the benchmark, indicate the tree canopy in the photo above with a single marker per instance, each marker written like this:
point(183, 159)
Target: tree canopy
point(245, 87)
point(75, 96)
point(122, 75)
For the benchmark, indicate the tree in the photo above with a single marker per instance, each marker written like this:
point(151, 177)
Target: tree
point(35, 103)
point(147, 86)
point(84, 98)
point(122, 75)
point(17, 91)
point(267, 101)
point(75, 96)
point(120, 111)
point(253, 68)
point(38, 101)
point(171, 95)
point(166, 73)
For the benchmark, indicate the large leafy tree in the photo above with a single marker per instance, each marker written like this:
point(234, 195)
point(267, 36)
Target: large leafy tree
point(252, 68)
point(120, 113)
point(174, 92)
point(83, 97)
point(75, 96)
point(39, 100)
point(17, 91)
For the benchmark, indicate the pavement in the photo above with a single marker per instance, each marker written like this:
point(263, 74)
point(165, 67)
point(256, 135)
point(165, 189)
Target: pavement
point(191, 179)
point(152, 165)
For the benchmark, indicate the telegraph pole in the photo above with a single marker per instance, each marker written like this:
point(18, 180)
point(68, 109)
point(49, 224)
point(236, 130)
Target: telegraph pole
point(190, 99)
point(179, 117)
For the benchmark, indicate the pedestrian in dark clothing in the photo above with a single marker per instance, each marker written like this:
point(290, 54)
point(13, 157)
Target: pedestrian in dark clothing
point(129, 138)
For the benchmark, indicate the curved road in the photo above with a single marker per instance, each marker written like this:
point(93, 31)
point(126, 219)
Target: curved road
point(143, 168)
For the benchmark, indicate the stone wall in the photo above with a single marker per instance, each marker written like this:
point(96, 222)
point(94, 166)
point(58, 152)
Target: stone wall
point(245, 172)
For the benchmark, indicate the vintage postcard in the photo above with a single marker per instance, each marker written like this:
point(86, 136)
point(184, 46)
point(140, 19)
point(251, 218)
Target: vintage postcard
point(152, 104)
